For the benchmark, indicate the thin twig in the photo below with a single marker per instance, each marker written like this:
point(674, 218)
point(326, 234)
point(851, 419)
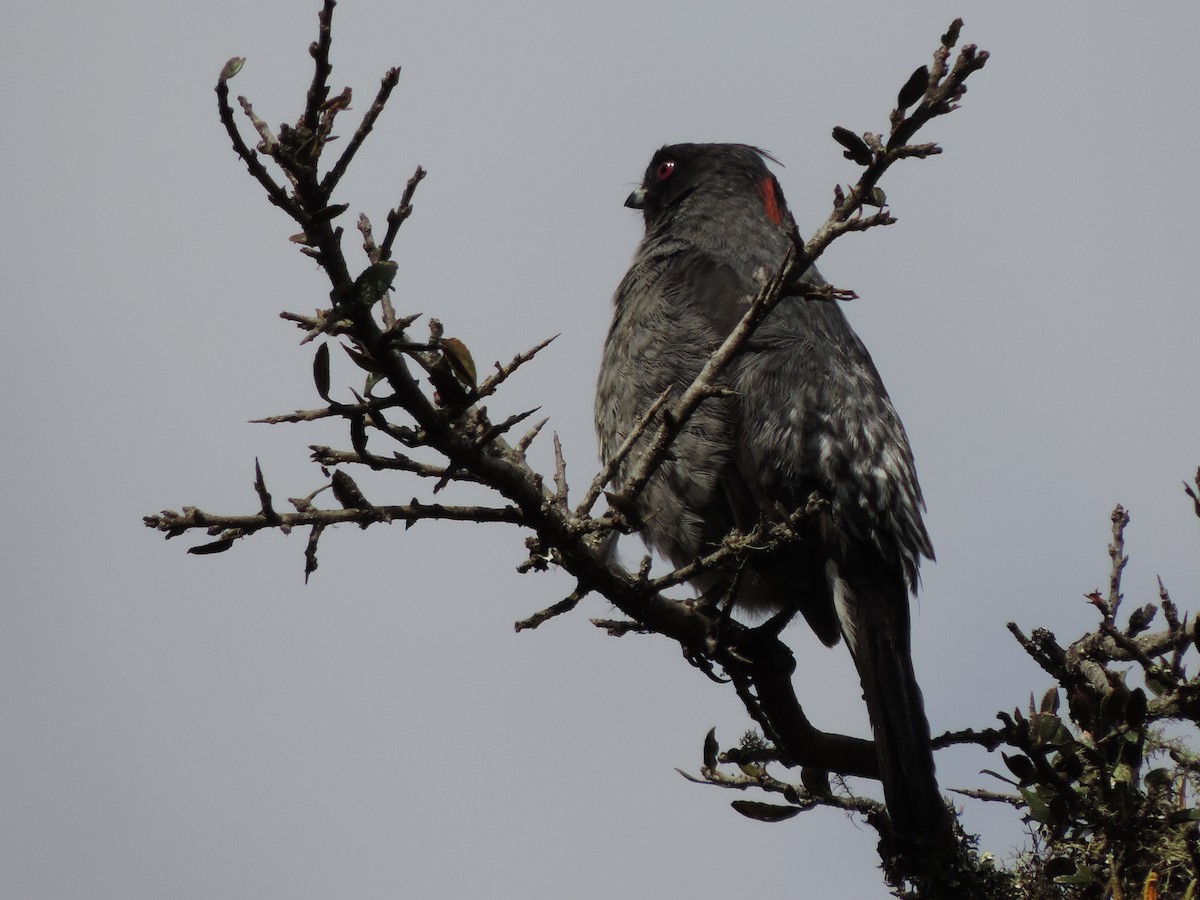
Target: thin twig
point(764, 538)
point(565, 605)
point(494, 431)
point(606, 474)
point(190, 518)
point(339, 410)
point(988, 738)
point(328, 456)
point(560, 473)
point(275, 193)
point(319, 89)
point(264, 496)
point(528, 437)
point(396, 217)
point(990, 796)
point(1116, 550)
point(390, 79)
point(503, 373)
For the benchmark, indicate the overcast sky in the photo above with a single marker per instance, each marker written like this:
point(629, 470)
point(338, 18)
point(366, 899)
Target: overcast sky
point(195, 727)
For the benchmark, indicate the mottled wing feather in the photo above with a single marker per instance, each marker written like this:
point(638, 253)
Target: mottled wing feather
point(823, 422)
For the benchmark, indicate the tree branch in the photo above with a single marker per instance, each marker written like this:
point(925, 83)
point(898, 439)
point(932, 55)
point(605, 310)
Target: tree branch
point(445, 418)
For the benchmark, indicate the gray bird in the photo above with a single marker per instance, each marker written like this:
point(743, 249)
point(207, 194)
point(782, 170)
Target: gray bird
point(807, 411)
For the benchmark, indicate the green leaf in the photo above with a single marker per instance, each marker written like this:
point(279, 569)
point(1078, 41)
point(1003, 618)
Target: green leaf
point(1020, 765)
point(710, 749)
point(856, 147)
point(1050, 701)
point(765, 812)
point(215, 547)
point(1062, 737)
point(1157, 685)
point(1158, 778)
point(374, 281)
point(914, 89)
point(321, 371)
point(232, 67)
point(329, 212)
point(1069, 763)
point(363, 360)
point(460, 360)
point(1060, 865)
point(1140, 619)
point(1082, 875)
point(1046, 726)
point(1039, 809)
point(347, 492)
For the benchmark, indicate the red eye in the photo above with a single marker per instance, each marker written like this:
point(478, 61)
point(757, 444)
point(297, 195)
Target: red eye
point(665, 168)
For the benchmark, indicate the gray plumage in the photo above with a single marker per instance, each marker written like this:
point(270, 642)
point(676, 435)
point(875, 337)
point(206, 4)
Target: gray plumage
point(808, 412)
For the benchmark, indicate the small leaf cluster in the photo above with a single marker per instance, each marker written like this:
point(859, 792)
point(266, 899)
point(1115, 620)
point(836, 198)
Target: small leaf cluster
point(1108, 783)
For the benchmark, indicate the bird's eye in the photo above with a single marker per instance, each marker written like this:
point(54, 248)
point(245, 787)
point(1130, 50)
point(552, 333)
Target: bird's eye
point(665, 168)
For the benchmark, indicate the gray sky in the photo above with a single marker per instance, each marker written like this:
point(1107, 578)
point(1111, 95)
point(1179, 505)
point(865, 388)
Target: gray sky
point(184, 727)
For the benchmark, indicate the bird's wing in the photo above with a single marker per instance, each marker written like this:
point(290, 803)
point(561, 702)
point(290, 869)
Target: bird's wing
point(814, 416)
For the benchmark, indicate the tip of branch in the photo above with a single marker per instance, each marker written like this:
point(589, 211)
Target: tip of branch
point(231, 68)
point(950, 38)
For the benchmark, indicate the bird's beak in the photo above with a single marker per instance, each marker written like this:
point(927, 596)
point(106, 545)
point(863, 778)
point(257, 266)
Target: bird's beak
point(637, 199)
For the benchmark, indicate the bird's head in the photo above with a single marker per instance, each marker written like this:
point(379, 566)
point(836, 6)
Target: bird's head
point(709, 182)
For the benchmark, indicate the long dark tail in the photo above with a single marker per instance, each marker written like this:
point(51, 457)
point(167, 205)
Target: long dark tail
point(873, 609)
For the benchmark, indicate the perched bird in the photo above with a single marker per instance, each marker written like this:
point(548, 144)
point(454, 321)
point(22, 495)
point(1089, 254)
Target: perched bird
point(805, 412)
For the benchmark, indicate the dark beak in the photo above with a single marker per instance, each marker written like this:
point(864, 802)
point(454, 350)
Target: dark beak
point(637, 199)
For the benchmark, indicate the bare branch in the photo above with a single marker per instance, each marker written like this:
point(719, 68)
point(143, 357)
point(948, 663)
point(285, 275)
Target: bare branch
point(621, 627)
point(560, 473)
point(494, 431)
point(396, 217)
point(275, 192)
point(988, 738)
point(328, 456)
point(762, 539)
point(800, 797)
point(504, 372)
point(1116, 550)
point(990, 796)
point(341, 410)
point(565, 605)
point(322, 68)
point(390, 79)
point(310, 551)
point(190, 518)
point(264, 497)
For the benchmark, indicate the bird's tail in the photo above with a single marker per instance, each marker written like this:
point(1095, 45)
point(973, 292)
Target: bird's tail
point(875, 622)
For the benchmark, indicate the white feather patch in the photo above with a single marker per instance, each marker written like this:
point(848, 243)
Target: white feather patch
point(843, 601)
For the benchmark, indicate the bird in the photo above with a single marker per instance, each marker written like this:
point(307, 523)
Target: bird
point(802, 410)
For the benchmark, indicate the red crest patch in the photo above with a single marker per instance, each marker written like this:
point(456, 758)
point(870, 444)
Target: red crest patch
point(770, 197)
